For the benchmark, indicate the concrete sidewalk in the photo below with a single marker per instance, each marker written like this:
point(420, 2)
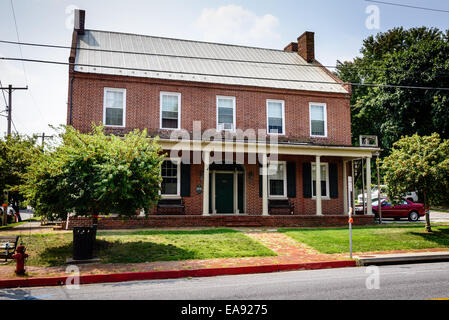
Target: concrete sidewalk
point(398, 258)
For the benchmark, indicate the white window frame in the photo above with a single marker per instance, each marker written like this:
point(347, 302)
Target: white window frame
point(122, 90)
point(327, 197)
point(233, 112)
point(318, 104)
point(284, 196)
point(175, 94)
point(178, 180)
point(282, 102)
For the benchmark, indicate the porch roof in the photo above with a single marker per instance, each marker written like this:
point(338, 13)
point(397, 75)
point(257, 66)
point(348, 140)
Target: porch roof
point(305, 149)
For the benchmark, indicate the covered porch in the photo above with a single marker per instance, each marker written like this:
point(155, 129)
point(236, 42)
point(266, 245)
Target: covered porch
point(247, 180)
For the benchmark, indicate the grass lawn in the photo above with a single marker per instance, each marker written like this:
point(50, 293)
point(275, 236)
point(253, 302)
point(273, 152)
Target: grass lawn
point(371, 239)
point(146, 246)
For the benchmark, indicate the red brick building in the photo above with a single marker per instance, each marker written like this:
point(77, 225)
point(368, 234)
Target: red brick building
point(224, 101)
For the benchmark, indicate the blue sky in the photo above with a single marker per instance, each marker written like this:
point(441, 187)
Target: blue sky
point(339, 28)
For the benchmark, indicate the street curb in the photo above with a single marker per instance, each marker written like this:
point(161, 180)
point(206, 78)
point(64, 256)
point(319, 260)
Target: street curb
point(175, 274)
point(397, 259)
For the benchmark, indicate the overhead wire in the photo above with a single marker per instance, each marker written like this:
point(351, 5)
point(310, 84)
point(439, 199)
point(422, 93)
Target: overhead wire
point(228, 76)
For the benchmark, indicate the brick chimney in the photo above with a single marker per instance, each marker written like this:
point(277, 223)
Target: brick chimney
point(292, 47)
point(80, 17)
point(306, 46)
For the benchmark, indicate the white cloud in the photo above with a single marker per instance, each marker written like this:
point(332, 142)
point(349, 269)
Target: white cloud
point(233, 24)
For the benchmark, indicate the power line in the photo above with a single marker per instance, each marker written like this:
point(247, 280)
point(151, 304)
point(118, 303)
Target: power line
point(4, 97)
point(18, 40)
point(14, 125)
point(10, 89)
point(226, 76)
point(52, 46)
point(407, 6)
point(23, 64)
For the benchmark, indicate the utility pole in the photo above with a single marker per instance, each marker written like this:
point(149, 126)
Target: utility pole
point(10, 89)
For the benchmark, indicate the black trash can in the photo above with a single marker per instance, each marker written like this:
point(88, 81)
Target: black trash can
point(83, 243)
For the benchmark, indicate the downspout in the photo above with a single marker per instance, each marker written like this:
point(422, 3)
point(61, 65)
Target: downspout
point(71, 98)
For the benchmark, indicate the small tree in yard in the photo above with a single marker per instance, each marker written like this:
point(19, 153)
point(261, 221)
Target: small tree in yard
point(93, 174)
point(419, 164)
point(17, 153)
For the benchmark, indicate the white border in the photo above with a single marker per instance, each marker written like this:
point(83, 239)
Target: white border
point(233, 112)
point(178, 178)
point(318, 104)
point(123, 90)
point(165, 93)
point(282, 102)
point(328, 196)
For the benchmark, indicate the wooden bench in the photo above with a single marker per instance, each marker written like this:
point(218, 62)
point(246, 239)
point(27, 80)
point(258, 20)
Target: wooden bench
point(8, 245)
point(174, 204)
point(281, 204)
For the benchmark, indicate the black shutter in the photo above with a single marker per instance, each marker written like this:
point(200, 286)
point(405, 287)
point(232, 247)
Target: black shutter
point(307, 180)
point(260, 182)
point(185, 180)
point(291, 179)
point(333, 180)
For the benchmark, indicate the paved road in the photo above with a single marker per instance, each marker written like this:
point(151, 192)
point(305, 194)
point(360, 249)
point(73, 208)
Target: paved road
point(405, 282)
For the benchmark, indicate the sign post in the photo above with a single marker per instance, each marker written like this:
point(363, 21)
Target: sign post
point(351, 221)
point(349, 192)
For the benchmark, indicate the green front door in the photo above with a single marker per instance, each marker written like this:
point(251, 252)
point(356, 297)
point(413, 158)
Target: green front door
point(224, 192)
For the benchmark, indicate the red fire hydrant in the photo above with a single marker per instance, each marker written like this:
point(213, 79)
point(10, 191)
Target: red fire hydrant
point(20, 257)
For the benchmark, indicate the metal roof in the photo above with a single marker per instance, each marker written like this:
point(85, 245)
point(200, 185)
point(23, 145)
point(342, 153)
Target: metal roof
point(186, 60)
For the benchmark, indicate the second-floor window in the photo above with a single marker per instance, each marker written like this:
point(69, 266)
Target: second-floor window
point(225, 113)
point(114, 107)
point(275, 117)
point(170, 110)
point(318, 120)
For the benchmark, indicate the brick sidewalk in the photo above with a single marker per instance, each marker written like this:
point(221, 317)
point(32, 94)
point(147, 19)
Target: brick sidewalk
point(288, 250)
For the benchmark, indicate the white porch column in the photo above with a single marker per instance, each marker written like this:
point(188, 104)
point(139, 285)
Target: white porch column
point(345, 187)
point(369, 207)
point(206, 159)
point(264, 185)
point(319, 210)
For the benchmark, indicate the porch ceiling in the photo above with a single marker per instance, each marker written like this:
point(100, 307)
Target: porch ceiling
point(284, 149)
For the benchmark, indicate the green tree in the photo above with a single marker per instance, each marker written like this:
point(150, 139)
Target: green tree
point(414, 57)
point(422, 164)
point(93, 174)
point(17, 153)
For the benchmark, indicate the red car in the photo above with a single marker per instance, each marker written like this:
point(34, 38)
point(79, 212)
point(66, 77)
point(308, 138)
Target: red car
point(403, 209)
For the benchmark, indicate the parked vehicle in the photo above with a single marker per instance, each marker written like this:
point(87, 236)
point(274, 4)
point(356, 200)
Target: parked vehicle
point(411, 196)
point(11, 215)
point(374, 194)
point(402, 209)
